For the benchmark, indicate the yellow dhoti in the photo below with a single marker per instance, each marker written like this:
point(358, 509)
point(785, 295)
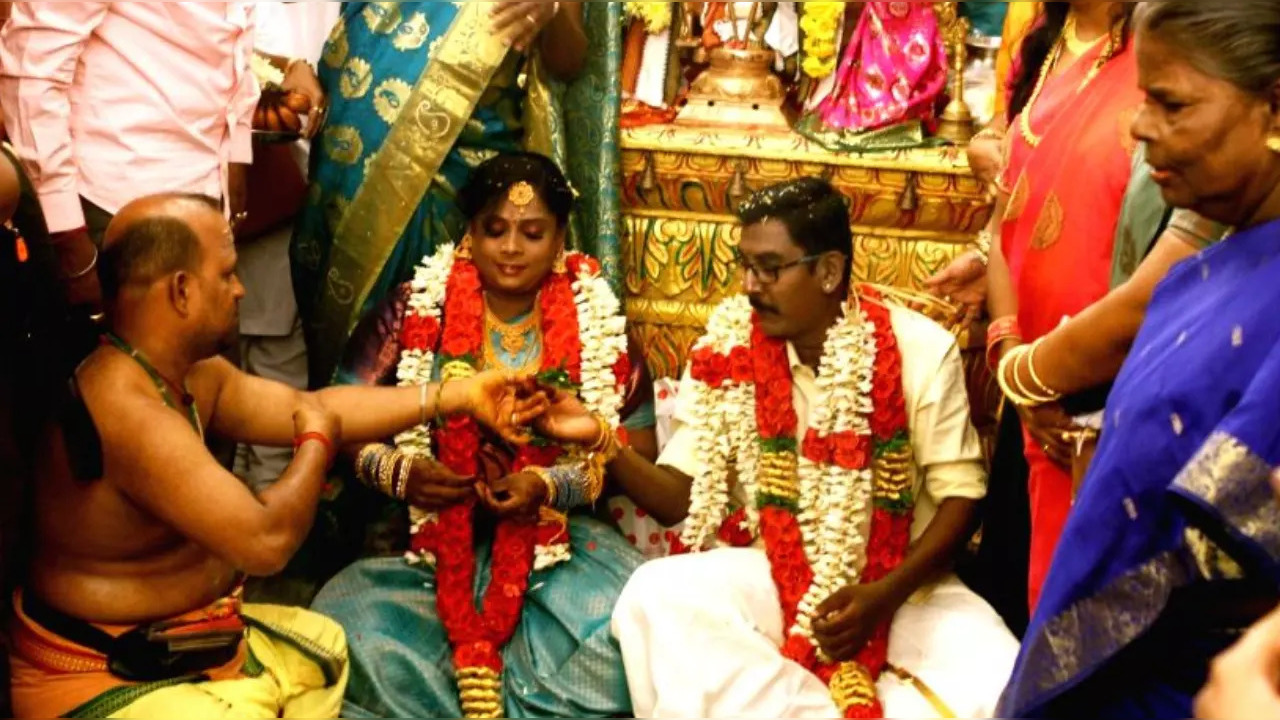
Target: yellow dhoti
point(293, 664)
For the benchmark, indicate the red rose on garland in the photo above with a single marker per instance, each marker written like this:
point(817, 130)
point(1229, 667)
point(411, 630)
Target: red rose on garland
point(851, 451)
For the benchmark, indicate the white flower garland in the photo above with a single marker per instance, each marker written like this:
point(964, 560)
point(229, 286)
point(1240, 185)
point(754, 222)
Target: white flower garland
point(602, 333)
point(835, 503)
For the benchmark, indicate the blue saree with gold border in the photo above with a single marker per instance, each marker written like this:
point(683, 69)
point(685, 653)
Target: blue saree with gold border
point(1176, 522)
point(420, 94)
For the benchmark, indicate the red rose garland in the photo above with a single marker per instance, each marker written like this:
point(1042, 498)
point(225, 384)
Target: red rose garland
point(768, 366)
point(478, 636)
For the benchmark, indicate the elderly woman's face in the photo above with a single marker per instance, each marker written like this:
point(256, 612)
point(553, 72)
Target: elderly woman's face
point(515, 246)
point(1206, 138)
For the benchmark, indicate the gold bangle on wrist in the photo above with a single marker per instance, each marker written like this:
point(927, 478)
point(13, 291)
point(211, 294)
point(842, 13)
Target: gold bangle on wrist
point(1032, 397)
point(400, 487)
point(386, 473)
point(1007, 379)
point(1040, 385)
point(545, 476)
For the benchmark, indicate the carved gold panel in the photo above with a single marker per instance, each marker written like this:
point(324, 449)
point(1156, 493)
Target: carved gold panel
point(911, 212)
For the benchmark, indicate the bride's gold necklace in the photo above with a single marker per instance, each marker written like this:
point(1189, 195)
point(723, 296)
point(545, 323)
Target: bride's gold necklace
point(513, 338)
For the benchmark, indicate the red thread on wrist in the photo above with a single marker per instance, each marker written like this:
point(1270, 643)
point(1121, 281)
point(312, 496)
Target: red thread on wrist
point(318, 437)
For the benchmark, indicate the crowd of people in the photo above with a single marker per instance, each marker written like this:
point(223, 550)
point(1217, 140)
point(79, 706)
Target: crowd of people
point(326, 428)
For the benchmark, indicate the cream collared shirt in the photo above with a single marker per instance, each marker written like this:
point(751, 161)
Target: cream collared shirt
point(948, 455)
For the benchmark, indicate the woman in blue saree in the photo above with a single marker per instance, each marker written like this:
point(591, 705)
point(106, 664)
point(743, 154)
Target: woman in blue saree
point(562, 660)
point(421, 93)
point(1173, 546)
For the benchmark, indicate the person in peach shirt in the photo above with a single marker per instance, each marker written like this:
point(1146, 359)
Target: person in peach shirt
point(105, 102)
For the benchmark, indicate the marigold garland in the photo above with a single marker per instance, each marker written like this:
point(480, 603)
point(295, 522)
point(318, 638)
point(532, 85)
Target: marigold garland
point(820, 23)
point(584, 343)
point(656, 15)
point(854, 463)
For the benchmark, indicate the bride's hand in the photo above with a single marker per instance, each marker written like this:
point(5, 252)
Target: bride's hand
point(497, 400)
point(567, 420)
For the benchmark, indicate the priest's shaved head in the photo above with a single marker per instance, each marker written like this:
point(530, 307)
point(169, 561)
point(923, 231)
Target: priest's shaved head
point(169, 261)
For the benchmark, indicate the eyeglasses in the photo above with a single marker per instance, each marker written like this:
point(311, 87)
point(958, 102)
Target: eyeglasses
point(768, 274)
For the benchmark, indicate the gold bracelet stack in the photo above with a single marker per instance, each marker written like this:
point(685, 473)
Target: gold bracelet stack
point(607, 445)
point(982, 246)
point(1024, 394)
point(552, 489)
point(384, 469)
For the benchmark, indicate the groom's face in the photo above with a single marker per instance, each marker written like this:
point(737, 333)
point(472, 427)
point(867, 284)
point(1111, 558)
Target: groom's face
point(779, 280)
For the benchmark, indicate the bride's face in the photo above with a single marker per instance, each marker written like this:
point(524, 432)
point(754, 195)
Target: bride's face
point(515, 247)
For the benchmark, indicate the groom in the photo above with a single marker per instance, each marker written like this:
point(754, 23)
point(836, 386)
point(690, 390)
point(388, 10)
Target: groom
point(701, 633)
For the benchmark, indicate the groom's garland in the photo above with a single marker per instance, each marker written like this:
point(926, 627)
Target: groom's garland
point(584, 345)
point(834, 512)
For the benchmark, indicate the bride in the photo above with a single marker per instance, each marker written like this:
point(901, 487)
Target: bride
point(531, 638)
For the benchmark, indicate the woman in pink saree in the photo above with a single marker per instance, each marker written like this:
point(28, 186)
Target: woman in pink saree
point(893, 70)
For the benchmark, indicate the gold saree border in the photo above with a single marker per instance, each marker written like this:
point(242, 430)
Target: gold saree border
point(401, 172)
point(1092, 630)
point(1234, 483)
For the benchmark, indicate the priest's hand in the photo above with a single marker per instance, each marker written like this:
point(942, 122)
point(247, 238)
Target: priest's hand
point(847, 620)
point(433, 486)
point(520, 495)
point(567, 420)
point(494, 398)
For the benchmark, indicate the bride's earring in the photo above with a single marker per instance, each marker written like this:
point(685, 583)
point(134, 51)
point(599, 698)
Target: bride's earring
point(561, 267)
point(464, 248)
point(1273, 143)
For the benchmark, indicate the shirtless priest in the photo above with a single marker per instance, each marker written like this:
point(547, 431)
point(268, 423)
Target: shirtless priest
point(131, 605)
point(824, 450)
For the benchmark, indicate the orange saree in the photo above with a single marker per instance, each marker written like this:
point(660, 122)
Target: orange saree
point(1058, 232)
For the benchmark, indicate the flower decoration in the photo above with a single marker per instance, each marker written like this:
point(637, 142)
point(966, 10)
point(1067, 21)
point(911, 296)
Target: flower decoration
point(656, 15)
point(820, 23)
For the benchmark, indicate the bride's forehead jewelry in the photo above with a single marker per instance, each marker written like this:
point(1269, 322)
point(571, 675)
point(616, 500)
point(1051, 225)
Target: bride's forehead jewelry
point(521, 195)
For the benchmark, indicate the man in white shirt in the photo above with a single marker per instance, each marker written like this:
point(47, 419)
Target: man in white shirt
point(852, 507)
point(271, 339)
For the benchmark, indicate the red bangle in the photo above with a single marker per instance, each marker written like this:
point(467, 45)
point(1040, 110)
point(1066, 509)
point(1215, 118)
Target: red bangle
point(1002, 328)
point(318, 437)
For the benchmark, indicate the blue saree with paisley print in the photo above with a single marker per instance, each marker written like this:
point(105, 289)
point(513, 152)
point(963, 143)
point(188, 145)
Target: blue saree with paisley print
point(421, 93)
point(562, 661)
point(1173, 547)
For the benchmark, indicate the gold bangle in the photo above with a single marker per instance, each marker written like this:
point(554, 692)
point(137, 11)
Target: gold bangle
point(362, 458)
point(400, 486)
point(386, 470)
point(607, 444)
point(545, 476)
point(1006, 378)
point(1036, 398)
point(1026, 397)
point(1035, 377)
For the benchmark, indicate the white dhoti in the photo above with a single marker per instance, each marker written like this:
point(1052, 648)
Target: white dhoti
point(700, 636)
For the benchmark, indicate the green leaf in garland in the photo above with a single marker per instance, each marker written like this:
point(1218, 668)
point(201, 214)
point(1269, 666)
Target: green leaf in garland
point(558, 379)
point(779, 445)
